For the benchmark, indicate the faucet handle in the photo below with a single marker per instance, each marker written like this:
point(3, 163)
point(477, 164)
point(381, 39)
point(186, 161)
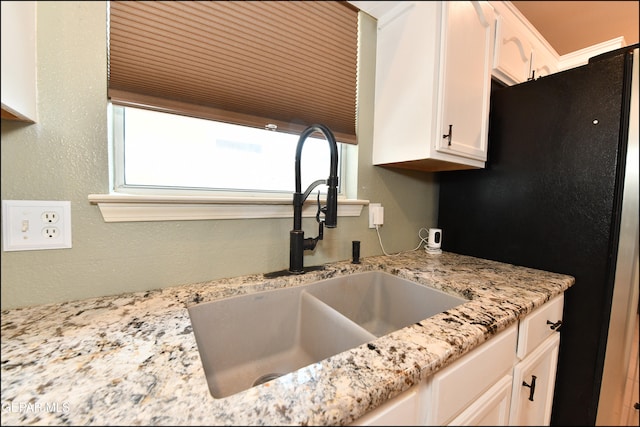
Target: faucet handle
point(322, 209)
point(320, 230)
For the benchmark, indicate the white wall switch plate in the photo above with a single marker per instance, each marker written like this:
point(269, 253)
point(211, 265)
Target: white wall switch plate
point(29, 225)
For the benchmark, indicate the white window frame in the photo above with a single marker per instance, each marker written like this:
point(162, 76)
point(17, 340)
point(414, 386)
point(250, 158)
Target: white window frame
point(126, 204)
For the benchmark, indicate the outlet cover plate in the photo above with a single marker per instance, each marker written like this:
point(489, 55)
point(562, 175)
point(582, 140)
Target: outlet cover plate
point(35, 225)
point(372, 209)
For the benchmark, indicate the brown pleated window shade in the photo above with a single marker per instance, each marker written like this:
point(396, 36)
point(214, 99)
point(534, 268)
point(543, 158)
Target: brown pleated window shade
point(254, 63)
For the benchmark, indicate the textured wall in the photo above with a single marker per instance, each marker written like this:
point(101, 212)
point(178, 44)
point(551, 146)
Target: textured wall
point(65, 157)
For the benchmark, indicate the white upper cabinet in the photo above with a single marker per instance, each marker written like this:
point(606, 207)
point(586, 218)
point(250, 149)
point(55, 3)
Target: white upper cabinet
point(433, 76)
point(518, 41)
point(512, 56)
point(19, 60)
point(520, 53)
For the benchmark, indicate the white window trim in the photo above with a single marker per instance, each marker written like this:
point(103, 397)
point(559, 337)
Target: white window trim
point(135, 207)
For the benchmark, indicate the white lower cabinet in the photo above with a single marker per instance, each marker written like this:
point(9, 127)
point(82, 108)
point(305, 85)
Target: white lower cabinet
point(534, 376)
point(508, 380)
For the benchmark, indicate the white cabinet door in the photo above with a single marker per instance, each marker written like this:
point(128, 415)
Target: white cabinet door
point(512, 55)
point(405, 89)
point(467, 54)
point(19, 60)
point(490, 409)
point(533, 385)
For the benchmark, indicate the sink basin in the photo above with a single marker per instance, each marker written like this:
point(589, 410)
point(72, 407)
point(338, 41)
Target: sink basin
point(247, 340)
point(381, 302)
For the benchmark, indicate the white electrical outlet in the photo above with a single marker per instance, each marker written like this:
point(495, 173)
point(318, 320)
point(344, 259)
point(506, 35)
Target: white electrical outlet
point(50, 217)
point(375, 214)
point(35, 224)
point(378, 216)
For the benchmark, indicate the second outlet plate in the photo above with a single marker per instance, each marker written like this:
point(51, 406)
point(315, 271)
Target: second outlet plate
point(35, 224)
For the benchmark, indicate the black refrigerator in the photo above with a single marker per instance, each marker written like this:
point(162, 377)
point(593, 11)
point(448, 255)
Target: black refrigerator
point(552, 197)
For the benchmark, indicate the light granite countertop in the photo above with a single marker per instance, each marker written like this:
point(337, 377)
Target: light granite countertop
point(132, 359)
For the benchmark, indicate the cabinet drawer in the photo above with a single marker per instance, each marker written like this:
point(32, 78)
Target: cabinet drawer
point(539, 325)
point(453, 388)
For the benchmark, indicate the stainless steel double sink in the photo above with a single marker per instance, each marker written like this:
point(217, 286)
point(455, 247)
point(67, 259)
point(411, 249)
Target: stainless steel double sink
point(245, 341)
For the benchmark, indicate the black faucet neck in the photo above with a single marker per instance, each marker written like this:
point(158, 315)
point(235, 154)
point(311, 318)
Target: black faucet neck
point(298, 244)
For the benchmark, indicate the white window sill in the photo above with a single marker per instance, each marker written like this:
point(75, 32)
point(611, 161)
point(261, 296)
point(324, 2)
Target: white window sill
point(132, 208)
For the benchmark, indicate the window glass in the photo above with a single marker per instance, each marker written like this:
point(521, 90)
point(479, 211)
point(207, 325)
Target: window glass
point(161, 151)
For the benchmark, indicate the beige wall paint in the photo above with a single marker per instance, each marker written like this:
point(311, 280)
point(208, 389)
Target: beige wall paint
point(65, 157)
point(569, 26)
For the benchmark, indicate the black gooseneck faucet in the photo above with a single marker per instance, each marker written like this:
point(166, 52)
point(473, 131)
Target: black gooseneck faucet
point(298, 244)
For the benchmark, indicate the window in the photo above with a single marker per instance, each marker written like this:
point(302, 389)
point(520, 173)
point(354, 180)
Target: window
point(192, 86)
point(162, 153)
point(164, 143)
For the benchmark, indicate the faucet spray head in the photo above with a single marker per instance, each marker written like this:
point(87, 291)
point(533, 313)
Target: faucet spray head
point(331, 215)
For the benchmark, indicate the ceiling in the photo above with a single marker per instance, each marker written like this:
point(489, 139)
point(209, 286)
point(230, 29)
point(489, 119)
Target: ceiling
point(573, 25)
